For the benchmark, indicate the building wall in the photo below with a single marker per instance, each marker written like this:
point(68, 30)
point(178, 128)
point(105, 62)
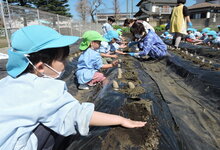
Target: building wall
point(211, 1)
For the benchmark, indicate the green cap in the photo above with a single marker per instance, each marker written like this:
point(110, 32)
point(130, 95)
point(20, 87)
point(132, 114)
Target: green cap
point(88, 37)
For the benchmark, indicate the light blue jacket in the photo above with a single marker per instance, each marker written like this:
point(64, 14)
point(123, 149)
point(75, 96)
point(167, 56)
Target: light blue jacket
point(29, 100)
point(106, 27)
point(89, 62)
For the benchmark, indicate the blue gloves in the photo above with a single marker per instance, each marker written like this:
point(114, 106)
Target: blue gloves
point(190, 25)
point(134, 54)
point(131, 54)
point(130, 44)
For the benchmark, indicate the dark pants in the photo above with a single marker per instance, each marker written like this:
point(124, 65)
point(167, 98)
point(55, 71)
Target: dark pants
point(47, 139)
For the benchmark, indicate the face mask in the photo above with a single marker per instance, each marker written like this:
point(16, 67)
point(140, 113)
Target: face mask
point(59, 74)
point(138, 36)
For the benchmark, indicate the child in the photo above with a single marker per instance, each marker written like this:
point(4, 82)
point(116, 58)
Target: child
point(214, 40)
point(179, 17)
point(190, 35)
point(109, 47)
point(108, 25)
point(90, 61)
point(35, 108)
point(203, 37)
point(149, 42)
point(130, 22)
point(166, 35)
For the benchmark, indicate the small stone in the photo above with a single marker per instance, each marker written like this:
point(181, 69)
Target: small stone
point(131, 85)
point(115, 85)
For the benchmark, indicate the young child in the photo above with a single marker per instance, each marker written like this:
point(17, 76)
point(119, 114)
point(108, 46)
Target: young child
point(190, 35)
point(203, 37)
point(90, 61)
point(166, 35)
point(178, 19)
point(109, 48)
point(149, 42)
point(214, 40)
point(108, 25)
point(36, 108)
point(130, 22)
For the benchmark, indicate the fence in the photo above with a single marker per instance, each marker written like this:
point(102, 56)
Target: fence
point(13, 18)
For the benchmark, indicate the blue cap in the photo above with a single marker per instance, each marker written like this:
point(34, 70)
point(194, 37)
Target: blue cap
point(213, 33)
point(205, 30)
point(218, 26)
point(111, 34)
point(190, 29)
point(32, 39)
point(166, 33)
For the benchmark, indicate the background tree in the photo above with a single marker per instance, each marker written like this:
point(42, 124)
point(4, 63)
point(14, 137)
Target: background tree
point(26, 3)
point(116, 9)
point(60, 7)
point(82, 7)
point(93, 6)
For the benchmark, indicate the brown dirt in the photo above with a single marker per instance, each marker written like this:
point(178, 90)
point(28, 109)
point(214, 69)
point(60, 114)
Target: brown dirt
point(146, 138)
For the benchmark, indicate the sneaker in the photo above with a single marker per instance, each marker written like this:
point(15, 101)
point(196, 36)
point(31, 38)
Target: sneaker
point(91, 85)
point(83, 87)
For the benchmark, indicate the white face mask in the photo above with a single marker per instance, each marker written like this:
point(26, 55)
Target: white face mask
point(138, 36)
point(59, 74)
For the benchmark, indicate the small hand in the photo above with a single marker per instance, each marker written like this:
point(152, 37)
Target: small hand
point(114, 63)
point(132, 124)
point(123, 46)
point(114, 56)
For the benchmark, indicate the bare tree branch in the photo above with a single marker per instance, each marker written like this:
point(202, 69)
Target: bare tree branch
point(82, 7)
point(94, 5)
point(116, 8)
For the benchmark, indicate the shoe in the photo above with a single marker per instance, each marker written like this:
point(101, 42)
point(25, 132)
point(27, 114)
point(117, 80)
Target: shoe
point(91, 85)
point(83, 87)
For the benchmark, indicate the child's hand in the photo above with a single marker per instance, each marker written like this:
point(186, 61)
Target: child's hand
point(114, 63)
point(132, 124)
point(114, 56)
point(123, 46)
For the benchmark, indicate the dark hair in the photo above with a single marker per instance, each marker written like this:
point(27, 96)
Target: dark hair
point(137, 28)
point(181, 1)
point(128, 21)
point(111, 18)
point(47, 56)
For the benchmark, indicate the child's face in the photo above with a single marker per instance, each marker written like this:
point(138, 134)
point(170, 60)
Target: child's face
point(211, 37)
point(189, 32)
point(57, 65)
point(95, 44)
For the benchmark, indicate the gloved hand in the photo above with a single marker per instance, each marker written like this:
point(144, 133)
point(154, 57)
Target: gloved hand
point(190, 25)
point(167, 27)
point(130, 44)
point(134, 54)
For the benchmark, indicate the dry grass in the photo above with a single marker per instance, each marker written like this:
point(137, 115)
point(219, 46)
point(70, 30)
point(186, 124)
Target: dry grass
point(3, 42)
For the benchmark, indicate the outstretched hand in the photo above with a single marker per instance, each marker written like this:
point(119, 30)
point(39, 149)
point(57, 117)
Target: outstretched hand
point(132, 124)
